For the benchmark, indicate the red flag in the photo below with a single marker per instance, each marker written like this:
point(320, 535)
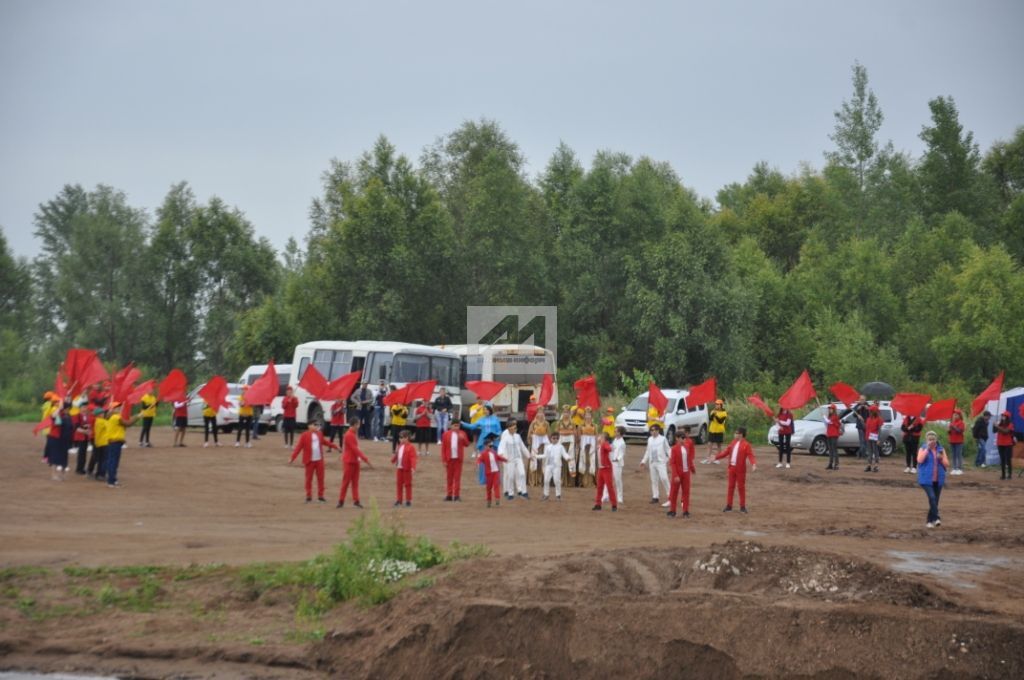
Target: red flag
point(846, 394)
point(122, 384)
point(991, 393)
point(43, 424)
point(172, 388)
point(341, 388)
point(485, 389)
point(263, 390)
point(215, 392)
point(314, 382)
point(1021, 410)
point(757, 401)
point(702, 393)
point(421, 390)
point(399, 396)
point(547, 390)
point(83, 368)
point(799, 393)
point(586, 393)
point(910, 403)
point(59, 387)
point(941, 410)
point(656, 398)
point(135, 396)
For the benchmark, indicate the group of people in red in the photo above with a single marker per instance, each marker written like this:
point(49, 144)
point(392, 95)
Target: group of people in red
point(312, 446)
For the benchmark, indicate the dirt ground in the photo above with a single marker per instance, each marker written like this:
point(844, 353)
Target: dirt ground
point(831, 575)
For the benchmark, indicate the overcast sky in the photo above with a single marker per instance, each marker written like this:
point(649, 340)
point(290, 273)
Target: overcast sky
point(250, 100)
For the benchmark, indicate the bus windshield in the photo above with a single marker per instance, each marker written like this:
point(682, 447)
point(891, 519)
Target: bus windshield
point(408, 368)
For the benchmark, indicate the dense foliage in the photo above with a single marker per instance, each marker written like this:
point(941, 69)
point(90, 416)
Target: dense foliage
point(878, 266)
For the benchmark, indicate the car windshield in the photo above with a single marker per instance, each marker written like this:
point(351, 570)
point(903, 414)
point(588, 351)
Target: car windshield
point(638, 404)
point(817, 415)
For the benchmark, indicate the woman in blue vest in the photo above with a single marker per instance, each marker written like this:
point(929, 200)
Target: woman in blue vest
point(932, 464)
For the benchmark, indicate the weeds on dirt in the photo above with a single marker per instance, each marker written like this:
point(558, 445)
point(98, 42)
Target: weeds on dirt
point(368, 568)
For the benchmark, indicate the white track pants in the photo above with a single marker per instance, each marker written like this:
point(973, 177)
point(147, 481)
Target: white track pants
point(553, 473)
point(659, 475)
point(513, 477)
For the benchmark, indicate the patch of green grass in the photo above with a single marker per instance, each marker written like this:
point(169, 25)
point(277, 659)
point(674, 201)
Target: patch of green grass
point(27, 606)
point(142, 598)
point(347, 572)
point(305, 636)
point(9, 573)
point(256, 641)
point(81, 591)
point(423, 583)
point(194, 571)
point(93, 572)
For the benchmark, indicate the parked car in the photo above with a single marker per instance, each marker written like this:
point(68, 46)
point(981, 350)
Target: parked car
point(809, 431)
point(273, 414)
point(227, 416)
point(634, 417)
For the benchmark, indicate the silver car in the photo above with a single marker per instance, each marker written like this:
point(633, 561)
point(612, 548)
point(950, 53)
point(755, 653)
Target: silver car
point(227, 416)
point(809, 431)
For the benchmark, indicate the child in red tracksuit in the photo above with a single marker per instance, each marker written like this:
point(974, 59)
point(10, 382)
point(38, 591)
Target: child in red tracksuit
point(312, 444)
point(605, 482)
point(404, 461)
point(738, 452)
point(680, 472)
point(351, 454)
point(453, 448)
point(489, 459)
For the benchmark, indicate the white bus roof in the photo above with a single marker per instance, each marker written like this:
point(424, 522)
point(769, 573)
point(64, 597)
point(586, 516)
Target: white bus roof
point(463, 350)
point(373, 346)
point(263, 367)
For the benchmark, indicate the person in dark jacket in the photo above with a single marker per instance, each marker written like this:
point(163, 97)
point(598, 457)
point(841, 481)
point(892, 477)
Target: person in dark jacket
point(980, 433)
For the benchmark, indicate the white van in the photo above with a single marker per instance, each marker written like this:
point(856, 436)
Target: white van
point(634, 417)
point(273, 414)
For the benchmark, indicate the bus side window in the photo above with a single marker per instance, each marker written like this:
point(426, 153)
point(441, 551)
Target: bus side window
point(303, 365)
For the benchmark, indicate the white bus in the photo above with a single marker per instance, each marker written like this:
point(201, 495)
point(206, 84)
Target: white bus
point(396, 363)
point(520, 367)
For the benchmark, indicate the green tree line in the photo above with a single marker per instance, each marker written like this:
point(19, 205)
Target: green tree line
point(878, 266)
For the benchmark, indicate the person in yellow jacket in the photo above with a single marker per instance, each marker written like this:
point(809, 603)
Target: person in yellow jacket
point(209, 425)
point(538, 436)
point(477, 411)
point(655, 418)
point(608, 423)
point(147, 414)
point(399, 417)
point(116, 425)
point(97, 468)
point(716, 429)
point(244, 421)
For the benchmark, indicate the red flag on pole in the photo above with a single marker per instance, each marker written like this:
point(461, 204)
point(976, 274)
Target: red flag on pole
point(263, 390)
point(990, 393)
point(845, 393)
point(547, 390)
point(703, 393)
point(172, 388)
point(341, 388)
point(656, 398)
point(215, 392)
point(399, 396)
point(314, 382)
point(46, 422)
point(136, 395)
point(122, 384)
point(799, 393)
point(941, 410)
point(586, 393)
point(757, 401)
point(911, 403)
point(83, 368)
point(421, 390)
point(485, 389)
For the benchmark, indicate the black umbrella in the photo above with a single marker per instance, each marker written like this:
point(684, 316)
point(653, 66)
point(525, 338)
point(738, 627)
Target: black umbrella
point(878, 390)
